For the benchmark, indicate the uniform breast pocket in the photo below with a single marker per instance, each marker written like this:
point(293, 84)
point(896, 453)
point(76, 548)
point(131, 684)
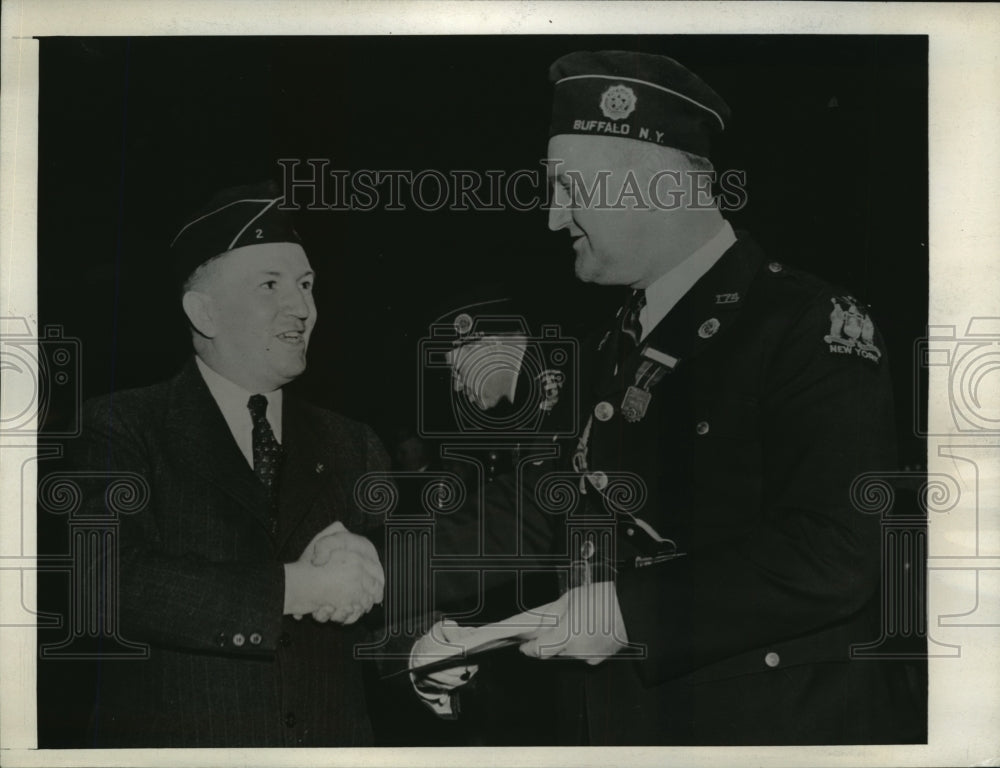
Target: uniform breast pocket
point(727, 462)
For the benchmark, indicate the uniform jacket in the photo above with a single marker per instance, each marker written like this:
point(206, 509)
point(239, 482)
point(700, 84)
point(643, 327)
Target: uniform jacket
point(745, 458)
point(201, 579)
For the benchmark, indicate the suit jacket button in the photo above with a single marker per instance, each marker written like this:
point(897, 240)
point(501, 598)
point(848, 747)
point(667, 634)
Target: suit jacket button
point(702, 428)
point(255, 638)
point(290, 719)
point(238, 640)
point(285, 640)
point(772, 659)
point(775, 266)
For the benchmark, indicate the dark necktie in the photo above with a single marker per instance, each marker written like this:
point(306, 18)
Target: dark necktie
point(267, 452)
point(631, 327)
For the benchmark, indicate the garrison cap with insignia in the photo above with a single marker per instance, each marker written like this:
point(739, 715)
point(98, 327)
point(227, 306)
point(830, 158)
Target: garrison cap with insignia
point(234, 218)
point(635, 96)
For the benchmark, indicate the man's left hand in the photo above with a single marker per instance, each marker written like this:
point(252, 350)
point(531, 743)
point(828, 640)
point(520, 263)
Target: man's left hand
point(589, 626)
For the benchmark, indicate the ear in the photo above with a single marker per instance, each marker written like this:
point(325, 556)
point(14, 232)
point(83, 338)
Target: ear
point(199, 310)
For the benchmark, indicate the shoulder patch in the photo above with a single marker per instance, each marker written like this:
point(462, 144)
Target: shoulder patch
point(851, 330)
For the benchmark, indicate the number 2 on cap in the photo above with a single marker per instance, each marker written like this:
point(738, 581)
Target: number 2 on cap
point(260, 233)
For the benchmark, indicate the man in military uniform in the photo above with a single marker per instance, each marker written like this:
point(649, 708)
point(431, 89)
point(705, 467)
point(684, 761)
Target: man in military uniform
point(719, 573)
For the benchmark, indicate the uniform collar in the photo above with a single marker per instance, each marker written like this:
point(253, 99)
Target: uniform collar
point(668, 289)
point(708, 310)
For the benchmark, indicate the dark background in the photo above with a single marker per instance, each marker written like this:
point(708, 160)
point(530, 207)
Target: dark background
point(136, 133)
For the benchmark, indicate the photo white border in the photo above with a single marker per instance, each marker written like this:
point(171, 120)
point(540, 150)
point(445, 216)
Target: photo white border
point(964, 246)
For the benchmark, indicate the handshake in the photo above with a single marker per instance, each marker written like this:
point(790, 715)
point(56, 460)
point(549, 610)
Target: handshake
point(337, 578)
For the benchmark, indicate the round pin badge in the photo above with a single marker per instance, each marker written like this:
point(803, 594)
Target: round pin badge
point(709, 328)
point(604, 410)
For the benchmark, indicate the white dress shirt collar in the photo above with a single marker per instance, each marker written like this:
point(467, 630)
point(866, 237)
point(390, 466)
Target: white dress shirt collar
point(232, 401)
point(663, 295)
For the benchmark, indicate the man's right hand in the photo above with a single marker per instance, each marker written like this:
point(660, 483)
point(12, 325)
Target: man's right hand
point(338, 577)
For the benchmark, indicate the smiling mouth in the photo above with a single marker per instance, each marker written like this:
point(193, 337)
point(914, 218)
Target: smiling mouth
point(293, 337)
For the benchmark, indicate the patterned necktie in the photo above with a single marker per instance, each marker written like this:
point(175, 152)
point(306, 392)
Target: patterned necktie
point(631, 327)
point(267, 452)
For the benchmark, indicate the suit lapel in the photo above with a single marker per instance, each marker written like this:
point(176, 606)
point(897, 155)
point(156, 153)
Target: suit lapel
point(199, 438)
point(310, 464)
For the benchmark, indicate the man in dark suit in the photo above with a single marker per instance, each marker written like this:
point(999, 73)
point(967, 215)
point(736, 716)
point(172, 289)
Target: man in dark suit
point(716, 571)
point(251, 521)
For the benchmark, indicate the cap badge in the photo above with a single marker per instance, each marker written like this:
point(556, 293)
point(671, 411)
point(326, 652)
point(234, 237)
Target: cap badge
point(463, 324)
point(618, 102)
point(851, 330)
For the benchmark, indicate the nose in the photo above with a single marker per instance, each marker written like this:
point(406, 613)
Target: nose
point(298, 303)
point(559, 211)
point(559, 218)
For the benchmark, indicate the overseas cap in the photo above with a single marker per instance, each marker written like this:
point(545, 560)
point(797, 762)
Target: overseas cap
point(234, 218)
point(636, 96)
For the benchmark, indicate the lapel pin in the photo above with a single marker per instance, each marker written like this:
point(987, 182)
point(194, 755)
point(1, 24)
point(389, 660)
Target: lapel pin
point(708, 328)
point(320, 467)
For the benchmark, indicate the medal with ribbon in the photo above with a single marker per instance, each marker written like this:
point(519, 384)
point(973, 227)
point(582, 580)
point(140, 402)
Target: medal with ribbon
point(654, 366)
